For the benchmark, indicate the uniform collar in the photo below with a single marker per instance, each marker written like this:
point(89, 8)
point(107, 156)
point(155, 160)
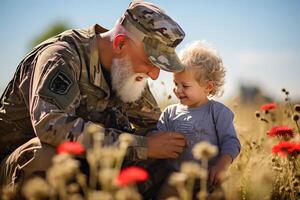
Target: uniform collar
point(95, 69)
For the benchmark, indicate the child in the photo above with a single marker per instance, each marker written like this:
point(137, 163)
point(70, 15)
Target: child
point(198, 117)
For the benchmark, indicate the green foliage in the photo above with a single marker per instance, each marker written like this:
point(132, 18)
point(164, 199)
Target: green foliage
point(52, 30)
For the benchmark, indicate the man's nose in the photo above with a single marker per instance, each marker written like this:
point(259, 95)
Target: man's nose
point(153, 72)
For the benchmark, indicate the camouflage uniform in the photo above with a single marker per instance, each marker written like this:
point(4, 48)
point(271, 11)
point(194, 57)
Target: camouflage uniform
point(60, 89)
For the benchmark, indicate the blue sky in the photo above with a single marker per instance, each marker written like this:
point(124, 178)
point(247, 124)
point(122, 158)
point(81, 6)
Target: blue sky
point(258, 40)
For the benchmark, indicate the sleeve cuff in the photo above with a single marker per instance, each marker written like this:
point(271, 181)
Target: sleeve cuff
point(140, 147)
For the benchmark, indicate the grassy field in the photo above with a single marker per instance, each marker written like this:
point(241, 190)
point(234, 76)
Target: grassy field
point(268, 166)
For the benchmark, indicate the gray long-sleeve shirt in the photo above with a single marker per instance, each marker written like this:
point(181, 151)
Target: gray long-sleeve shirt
point(212, 122)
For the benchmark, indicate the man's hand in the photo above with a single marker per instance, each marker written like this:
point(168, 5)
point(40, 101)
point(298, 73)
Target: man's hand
point(165, 145)
point(216, 173)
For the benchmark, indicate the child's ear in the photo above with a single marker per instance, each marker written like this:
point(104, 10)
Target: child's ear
point(210, 86)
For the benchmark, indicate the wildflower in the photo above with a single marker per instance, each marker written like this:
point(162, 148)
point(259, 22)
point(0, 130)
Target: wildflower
point(282, 131)
point(204, 150)
point(285, 148)
point(131, 175)
point(70, 147)
point(268, 106)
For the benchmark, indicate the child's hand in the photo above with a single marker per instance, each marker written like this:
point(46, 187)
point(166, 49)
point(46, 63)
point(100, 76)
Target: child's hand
point(216, 172)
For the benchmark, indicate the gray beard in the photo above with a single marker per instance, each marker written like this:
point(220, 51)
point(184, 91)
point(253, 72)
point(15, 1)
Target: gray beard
point(124, 81)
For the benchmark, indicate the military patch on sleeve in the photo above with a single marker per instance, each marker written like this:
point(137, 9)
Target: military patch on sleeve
point(60, 83)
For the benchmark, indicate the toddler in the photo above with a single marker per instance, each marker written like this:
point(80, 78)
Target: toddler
point(197, 116)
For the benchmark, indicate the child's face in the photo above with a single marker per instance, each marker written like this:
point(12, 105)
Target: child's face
point(188, 90)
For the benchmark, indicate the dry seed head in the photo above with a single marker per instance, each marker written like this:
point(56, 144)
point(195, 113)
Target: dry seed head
point(127, 194)
point(282, 189)
point(96, 131)
point(81, 179)
point(73, 188)
point(202, 194)
point(204, 150)
point(95, 194)
point(107, 177)
point(203, 173)
point(94, 128)
point(177, 178)
point(288, 189)
point(257, 114)
point(172, 198)
point(295, 117)
point(191, 169)
point(108, 156)
point(36, 188)
point(217, 194)
point(75, 196)
point(60, 158)
point(264, 120)
point(297, 107)
point(7, 192)
point(295, 183)
point(62, 171)
point(286, 99)
point(126, 139)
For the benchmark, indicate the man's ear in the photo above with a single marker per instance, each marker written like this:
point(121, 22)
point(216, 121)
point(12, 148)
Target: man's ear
point(119, 42)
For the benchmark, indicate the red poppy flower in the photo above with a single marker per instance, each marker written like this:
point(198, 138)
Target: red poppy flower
point(295, 148)
point(70, 147)
point(131, 175)
point(282, 131)
point(268, 106)
point(285, 148)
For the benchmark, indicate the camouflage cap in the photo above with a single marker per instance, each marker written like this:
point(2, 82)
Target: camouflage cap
point(159, 33)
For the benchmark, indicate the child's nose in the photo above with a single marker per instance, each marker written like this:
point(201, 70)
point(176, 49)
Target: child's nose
point(177, 90)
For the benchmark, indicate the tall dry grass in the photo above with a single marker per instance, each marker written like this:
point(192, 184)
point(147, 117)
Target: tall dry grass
point(256, 173)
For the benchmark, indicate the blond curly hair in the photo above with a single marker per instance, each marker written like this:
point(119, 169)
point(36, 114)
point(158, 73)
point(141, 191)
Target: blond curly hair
point(207, 65)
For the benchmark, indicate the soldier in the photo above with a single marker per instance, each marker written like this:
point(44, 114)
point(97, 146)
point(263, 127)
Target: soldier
point(89, 77)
